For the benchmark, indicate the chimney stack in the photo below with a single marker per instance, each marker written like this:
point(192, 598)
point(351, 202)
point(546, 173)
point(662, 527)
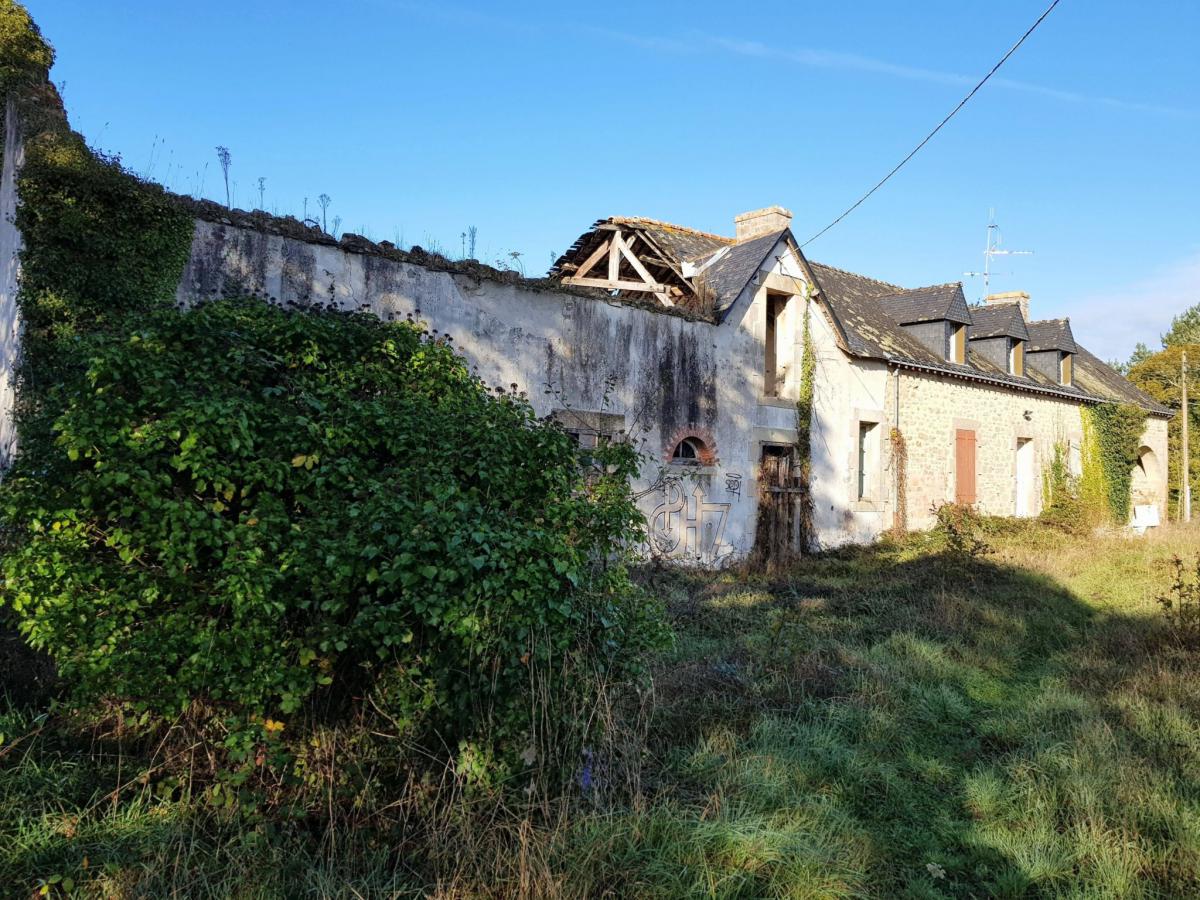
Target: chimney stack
point(1021, 298)
point(758, 222)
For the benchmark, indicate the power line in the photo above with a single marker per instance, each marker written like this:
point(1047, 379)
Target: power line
point(929, 137)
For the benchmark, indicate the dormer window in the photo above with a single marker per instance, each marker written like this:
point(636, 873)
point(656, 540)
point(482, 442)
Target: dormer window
point(958, 344)
point(1051, 351)
point(1016, 357)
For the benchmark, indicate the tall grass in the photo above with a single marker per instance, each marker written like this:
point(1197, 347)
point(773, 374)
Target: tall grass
point(883, 722)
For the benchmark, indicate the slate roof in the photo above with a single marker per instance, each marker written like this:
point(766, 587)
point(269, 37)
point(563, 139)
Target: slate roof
point(734, 268)
point(860, 306)
point(997, 320)
point(1051, 334)
point(870, 314)
point(938, 302)
point(682, 243)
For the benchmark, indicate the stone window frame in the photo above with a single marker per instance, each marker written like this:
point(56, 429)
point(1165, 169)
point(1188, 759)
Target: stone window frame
point(877, 501)
point(773, 285)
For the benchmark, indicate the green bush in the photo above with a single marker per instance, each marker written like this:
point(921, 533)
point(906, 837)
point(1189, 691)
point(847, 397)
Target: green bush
point(25, 57)
point(961, 529)
point(246, 508)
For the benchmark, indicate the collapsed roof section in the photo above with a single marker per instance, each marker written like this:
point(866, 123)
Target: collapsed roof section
point(640, 259)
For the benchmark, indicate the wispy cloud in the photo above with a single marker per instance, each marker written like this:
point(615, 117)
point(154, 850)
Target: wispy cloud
point(853, 62)
point(692, 43)
point(1111, 322)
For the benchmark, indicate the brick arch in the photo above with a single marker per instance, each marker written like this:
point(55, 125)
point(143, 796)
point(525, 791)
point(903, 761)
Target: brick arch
point(706, 445)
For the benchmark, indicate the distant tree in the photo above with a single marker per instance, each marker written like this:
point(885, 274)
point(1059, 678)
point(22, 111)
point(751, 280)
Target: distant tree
point(1185, 328)
point(1140, 354)
point(224, 157)
point(262, 191)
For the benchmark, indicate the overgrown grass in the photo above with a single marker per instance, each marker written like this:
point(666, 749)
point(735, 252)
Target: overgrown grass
point(890, 722)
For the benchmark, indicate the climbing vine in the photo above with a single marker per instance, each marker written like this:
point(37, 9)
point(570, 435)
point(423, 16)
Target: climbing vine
point(804, 414)
point(900, 461)
point(1112, 435)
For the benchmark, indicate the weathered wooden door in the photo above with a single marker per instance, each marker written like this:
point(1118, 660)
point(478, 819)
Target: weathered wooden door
point(776, 538)
point(964, 466)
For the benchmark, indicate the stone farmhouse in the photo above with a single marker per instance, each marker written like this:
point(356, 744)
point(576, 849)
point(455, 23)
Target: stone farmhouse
point(692, 345)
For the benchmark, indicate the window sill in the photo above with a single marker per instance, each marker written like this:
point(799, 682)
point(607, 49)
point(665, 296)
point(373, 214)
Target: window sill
point(868, 505)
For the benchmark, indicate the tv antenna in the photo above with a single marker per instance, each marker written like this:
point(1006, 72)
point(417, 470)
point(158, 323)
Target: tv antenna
point(992, 248)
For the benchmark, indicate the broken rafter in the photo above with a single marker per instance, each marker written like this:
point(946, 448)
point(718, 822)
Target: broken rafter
point(618, 249)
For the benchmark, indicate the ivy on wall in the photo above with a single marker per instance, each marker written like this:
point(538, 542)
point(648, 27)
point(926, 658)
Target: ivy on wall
point(900, 461)
point(804, 414)
point(100, 243)
point(1112, 435)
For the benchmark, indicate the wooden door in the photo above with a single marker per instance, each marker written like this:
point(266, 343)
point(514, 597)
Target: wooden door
point(775, 539)
point(964, 466)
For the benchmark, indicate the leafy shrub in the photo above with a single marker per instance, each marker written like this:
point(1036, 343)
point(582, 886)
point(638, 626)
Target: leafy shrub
point(25, 56)
point(1181, 605)
point(1063, 505)
point(961, 527)
point(249, 507)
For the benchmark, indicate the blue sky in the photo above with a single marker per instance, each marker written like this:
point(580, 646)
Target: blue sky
point(531, 120)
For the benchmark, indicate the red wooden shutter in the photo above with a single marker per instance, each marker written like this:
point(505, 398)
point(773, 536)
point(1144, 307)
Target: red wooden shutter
point(964, 466)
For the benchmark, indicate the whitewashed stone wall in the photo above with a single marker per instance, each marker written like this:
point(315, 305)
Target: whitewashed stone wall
point(666, 376)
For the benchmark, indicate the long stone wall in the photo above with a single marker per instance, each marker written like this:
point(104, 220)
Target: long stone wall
point(661, 377)
point(658, 376)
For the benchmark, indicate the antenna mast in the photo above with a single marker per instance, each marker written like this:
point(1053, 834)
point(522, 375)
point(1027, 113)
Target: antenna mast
point(992, 248)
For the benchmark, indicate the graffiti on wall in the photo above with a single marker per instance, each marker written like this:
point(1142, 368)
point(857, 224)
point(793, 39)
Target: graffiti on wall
point(733, 484)
point(687, 524)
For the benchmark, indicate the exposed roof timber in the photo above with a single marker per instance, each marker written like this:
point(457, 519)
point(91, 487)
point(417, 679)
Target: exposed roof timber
point(618, 250)
point(864, 313)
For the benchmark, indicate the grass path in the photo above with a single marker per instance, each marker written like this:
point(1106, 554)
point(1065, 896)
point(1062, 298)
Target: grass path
point(880, 722)
point(885, 725)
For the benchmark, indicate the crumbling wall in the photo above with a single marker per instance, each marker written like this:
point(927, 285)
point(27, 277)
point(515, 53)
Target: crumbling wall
point(574, 353)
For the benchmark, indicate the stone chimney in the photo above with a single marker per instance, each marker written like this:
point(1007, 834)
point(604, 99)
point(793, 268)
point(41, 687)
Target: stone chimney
point(758, 222)
point(1021, 298)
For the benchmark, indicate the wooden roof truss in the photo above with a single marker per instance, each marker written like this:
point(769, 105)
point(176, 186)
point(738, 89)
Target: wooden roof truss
point(626, 261)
